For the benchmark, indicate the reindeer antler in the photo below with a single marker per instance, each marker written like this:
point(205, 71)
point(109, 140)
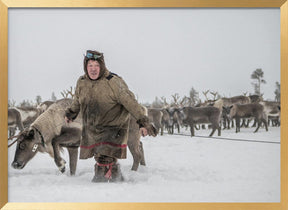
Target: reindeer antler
point(66, 93)
point(205, 94)
point(176, 98)
point(164, 101)
point(214, 94)
point(185, 101)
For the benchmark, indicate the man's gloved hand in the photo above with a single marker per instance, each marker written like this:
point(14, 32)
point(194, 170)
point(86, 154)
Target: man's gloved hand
point(150, 129)
point(70, 116)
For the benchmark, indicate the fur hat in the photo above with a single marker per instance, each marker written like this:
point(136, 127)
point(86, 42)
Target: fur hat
point(95, 55)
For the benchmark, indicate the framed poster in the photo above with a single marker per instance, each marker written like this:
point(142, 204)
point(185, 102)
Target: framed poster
point(130, 10)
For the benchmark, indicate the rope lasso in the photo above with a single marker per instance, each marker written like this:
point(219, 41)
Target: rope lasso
point(12, 143)
point(12, 137)
point(232, 139)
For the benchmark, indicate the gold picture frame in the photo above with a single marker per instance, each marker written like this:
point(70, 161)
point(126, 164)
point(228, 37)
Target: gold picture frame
point(6, 4)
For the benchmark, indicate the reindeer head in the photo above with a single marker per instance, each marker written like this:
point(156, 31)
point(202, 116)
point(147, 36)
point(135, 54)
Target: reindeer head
point(226, 112)
point(28, 143)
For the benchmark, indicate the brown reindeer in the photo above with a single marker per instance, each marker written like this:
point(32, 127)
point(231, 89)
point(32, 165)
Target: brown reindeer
point(225, 102)
point(197, 115)
point(230, 101)
point(240, 111)
point(174, 119)
point(14, 121)
point(166, 121)
point(155, 116)
point(49, 133)
point(255, 98)
point(28, 114)
point(272, 110)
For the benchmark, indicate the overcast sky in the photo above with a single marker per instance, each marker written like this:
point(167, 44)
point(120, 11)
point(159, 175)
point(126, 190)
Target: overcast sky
point(158, 52)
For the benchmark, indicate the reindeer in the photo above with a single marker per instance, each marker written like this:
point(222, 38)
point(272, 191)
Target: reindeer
point(225, 102)
point(172, 114)
point(22, 117)
point(255, 98)
point(49, 133)
point(174, 119)
point(14, 121)
point(207, 103)
point(26, 115)
point(155, 116)
point(166, 121)
point(272, 110)
point(240, 111)
point(195, 115)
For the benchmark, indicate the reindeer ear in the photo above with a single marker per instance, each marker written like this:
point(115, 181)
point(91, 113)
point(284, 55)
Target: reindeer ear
point(231, 106)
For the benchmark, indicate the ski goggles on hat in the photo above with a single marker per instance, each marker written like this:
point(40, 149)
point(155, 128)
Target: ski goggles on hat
point(91, 55)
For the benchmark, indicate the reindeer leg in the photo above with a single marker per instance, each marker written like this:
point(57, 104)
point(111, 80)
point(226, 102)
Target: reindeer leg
point(265, 123)
point(228, 123)
point(134, 147)
point(213, 130)
point(136, 159)
point(219, 130)
point(73, 157)
point(69, 138)
point(237, 125)
point(142, 162)
point(57, 158)
point(224, 120)
point(243, 123)
point(192, 130)
point(258, 126)
point(214, 127)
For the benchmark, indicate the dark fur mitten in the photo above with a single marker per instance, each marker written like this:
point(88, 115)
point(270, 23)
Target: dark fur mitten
point(70, 114)
point(144, 122)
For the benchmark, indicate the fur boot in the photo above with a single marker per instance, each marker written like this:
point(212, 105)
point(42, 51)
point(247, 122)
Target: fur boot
point(107, 169)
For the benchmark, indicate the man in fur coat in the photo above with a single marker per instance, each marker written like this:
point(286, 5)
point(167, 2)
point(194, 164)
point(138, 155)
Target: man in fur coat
point(105, 102)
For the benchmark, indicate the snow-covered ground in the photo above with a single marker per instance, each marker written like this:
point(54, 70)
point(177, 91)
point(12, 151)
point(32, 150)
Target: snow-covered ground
point(179, 169)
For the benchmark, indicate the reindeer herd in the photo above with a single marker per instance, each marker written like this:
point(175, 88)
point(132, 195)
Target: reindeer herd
point(218, 114)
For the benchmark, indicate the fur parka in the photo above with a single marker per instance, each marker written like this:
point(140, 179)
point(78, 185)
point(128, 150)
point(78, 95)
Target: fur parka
point(105, 105)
